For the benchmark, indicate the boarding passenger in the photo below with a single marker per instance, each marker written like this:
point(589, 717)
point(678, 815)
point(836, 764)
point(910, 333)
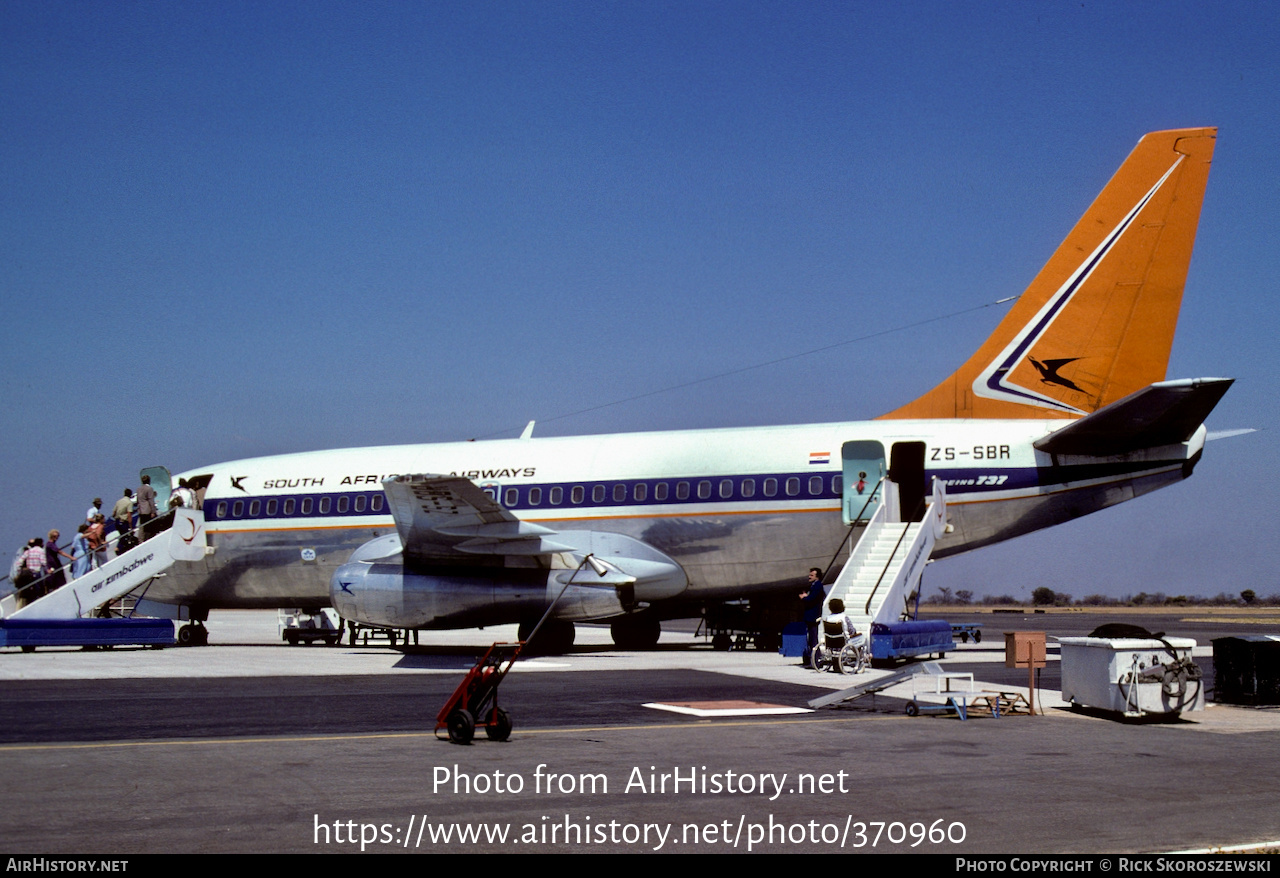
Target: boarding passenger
point(80, 552)
point(97, 536)
point(36, 567)
point(188, 496)
point(33, 564)
point(53, 554)
point(146, 506)
point(123, 512)
point(19, 566)
point(95, 509)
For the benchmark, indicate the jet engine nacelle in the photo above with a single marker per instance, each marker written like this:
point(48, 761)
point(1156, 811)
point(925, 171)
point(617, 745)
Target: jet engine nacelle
point(377, 586)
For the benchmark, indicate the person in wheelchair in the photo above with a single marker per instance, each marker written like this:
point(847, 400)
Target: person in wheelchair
point(843, 648)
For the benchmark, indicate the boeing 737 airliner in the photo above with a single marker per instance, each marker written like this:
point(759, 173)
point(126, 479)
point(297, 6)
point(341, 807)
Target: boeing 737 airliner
point(1064, 410)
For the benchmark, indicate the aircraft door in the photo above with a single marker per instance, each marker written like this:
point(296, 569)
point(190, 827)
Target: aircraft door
point(863, 467)
point(162, 482)
point(906, 469)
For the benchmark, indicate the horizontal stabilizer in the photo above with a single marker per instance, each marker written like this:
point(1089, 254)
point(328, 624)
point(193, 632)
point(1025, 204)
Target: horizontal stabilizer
point(1215, 435)
point(1164, 413)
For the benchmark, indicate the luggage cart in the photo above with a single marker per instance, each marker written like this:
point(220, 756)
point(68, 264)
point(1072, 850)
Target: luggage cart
point(475, 702)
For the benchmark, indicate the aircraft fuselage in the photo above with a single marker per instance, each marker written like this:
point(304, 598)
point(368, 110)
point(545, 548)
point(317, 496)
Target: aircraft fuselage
point(741, 510)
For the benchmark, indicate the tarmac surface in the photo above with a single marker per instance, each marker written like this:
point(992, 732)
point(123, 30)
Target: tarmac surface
point(249, 745)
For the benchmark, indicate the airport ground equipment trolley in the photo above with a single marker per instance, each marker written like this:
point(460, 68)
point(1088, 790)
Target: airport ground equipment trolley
point(474, 704)
point(967, 704)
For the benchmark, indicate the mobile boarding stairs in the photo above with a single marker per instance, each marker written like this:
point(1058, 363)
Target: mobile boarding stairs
point(879, 581)
point(884, 568)
point(67, 616)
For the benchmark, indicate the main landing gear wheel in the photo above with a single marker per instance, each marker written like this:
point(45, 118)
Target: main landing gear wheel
point(499, 727)
point(722, 642)
point(462, 727)
point(635, 632)
point(193, 634)
point(555, 637)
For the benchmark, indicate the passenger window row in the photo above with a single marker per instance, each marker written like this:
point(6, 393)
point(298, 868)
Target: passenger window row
point(620, 493)
point(632, 493)
point(289, 507)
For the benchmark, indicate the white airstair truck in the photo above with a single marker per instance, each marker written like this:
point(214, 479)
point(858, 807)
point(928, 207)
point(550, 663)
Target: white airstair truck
point(68, 615)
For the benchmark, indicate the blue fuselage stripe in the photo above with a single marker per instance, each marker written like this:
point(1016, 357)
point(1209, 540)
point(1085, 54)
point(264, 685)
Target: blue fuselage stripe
point(785, 488)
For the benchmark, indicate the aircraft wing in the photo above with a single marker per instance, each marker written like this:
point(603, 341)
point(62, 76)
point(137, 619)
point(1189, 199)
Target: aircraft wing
point(1164, 413)
point(440, 517)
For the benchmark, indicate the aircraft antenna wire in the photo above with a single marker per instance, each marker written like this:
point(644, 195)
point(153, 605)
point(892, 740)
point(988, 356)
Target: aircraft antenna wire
point(774, 362)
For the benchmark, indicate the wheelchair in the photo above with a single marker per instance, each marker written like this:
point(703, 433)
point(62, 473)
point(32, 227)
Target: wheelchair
point(838, 652)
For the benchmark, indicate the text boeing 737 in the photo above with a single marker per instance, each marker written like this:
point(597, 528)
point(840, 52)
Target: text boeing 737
point(1063, 411)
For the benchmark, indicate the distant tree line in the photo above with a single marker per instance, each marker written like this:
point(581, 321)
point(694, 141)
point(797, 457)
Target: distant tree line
point(1047, 597)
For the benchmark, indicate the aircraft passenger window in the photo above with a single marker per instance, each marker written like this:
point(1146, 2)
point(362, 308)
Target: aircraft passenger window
point(597, 494)
point(770, 487)
point(704, 489)
point(222, 509)
point(306, 505)
point(557, 495)
point(682, 490)
point(619, 493)
point(793, 486)
point(254, 508)
point(535, 496)
point(237, 509)
point(815, 485)
point(513, 497)
point(660, 491)
point(343, 503)
point(837, 484)
point(376, 505)
point(493, 493)
point(641, 491)
point(288, 506)
point(748, 488)
point(271, 506)
point(726, 489)
point(324, 505)
point(577, 494)
point(361, 501)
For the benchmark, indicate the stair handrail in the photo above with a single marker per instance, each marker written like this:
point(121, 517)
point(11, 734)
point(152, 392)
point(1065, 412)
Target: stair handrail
point(858, 520)
point(938, 502)
point(160, 524)
point(906, 526)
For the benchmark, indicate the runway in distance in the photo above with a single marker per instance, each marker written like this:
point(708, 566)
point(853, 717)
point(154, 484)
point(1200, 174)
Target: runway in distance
point(1063, 410)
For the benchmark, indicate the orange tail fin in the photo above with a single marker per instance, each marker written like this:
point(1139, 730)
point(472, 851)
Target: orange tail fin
point(1097, 322)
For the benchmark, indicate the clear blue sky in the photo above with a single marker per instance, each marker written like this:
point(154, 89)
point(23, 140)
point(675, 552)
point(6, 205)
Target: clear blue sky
point(237, 229)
